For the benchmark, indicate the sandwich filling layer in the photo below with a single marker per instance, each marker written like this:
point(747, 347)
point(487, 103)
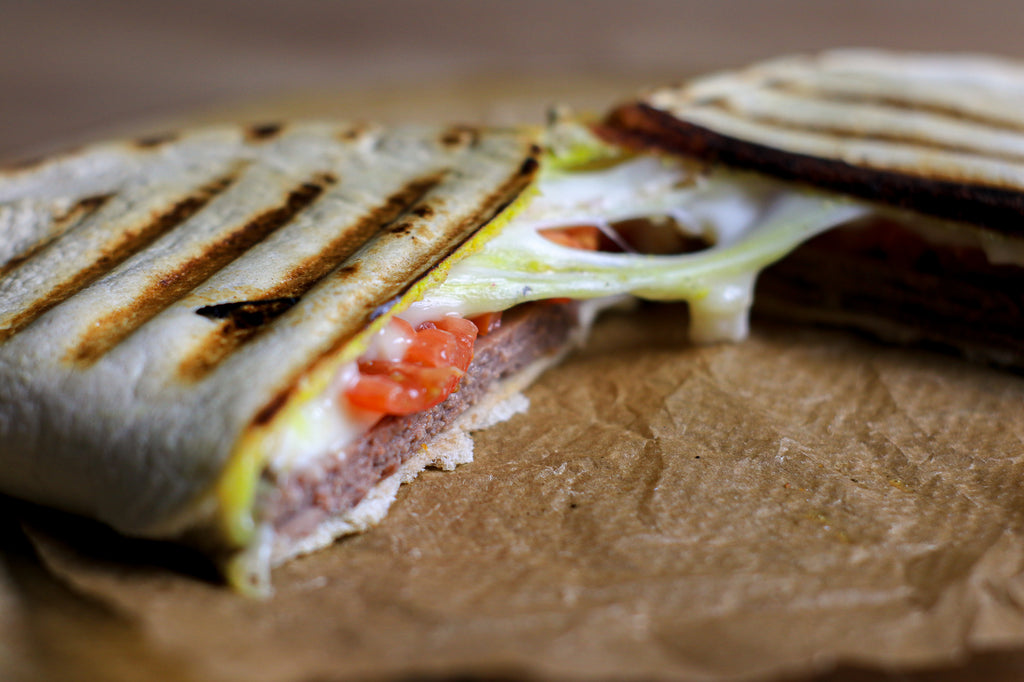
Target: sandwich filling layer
point(908, 282)
point(297, 501)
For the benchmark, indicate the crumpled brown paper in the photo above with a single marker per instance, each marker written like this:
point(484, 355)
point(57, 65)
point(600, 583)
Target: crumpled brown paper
point(13, 657)
point(774, 508)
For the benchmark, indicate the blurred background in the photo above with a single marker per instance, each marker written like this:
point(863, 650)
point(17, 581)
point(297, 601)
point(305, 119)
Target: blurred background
point(72, 69)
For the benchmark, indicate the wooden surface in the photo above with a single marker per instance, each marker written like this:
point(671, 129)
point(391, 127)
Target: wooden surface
point(72, 71)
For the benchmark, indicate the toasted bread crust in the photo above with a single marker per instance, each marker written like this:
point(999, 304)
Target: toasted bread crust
point(161, 298)
point(939, 134)
point(642, 126)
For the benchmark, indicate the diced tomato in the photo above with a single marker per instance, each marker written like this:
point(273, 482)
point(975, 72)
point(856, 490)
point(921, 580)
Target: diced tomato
point(402, 325)
point(432, 347)
point(438, 355)
point(486, 323)
point(401, 388)
point(465, 333)
point(459, 326)
point(586, 237)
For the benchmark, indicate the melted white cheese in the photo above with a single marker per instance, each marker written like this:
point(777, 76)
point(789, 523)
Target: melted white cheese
point(327, 423)
point(751, 222)
point(519, 265)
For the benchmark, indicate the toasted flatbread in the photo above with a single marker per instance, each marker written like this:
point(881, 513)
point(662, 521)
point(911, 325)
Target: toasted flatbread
point(934, 142)
point(167, 305)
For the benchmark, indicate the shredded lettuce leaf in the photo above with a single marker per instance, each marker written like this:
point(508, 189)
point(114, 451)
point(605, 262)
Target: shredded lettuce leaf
point(751, 222)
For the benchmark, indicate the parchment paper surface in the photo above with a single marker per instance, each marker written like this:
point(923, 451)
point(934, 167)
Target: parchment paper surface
point(752, 511)
point(13, 642)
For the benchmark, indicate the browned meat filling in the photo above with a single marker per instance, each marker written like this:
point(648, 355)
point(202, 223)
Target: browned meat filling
point(885, 277)
point(526, 334)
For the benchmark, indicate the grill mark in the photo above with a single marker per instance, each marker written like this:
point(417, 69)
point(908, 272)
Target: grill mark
point(263, 131)
point(848, 133)
point(82, 209)
point(461, 135)
point(226, 339)
point(892, 102)
point(491, 206)
point(111, 329)
point(530, 165)
point(130, 243)
point(248, 314)
point(354, 133)
point(303, 276)
point(158, 140)
point(402, 227)
point(237, 322)
point(348, 271)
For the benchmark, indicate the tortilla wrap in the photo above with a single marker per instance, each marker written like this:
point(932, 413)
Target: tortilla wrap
point(934, 143)
point(164, 301)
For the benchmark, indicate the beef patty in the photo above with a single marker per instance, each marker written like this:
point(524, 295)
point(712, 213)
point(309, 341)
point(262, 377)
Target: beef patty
point(339, 481)
point(880, 276)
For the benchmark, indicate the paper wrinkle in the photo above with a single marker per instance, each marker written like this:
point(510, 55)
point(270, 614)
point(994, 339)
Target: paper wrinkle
point(14, 643)
point(730, 512)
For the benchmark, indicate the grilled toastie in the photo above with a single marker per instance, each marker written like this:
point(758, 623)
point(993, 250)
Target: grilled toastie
point(933, 147)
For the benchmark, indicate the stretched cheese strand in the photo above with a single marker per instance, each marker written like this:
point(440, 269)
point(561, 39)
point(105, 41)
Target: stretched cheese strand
point(751, 222)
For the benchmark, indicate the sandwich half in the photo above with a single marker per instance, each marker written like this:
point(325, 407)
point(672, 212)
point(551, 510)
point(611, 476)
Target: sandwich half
point(932, 146)
point(181, 314)
point(246, 337)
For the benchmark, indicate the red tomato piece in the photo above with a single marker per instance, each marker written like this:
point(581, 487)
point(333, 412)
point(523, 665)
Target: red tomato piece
point(405, 328)
point(432, 347)
point(465, 333)
point(438, 355)
point(400, 387)
point(486, 323)
point(586, 237)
